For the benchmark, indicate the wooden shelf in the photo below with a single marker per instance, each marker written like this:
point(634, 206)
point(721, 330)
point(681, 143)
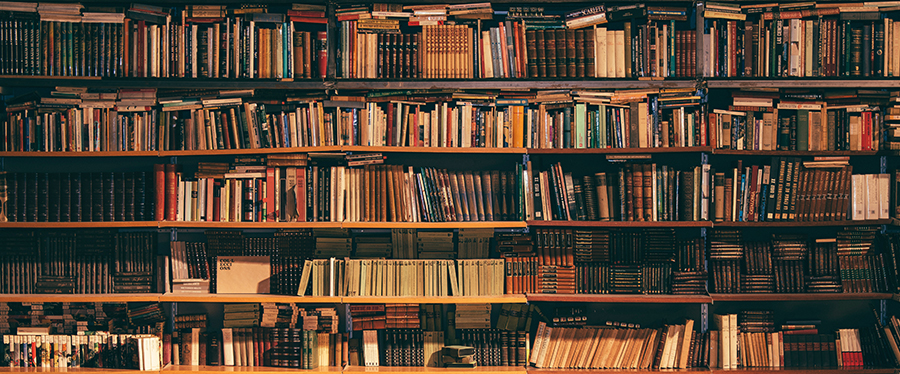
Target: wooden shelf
point(613, 371)
point(501, 299)
point(75, 225)
point(412, 370)
point(803, 371)
point(68, 370)
point(247, 298)
point(248, 225)
point(620, 224)
point(82, 154)
point(434, 225)
point(187, 369)
point(799, 296)
point(574, 151)
point(80, 298)
point(805, 224)
point(488, 84)
point(794, 153)
point(208, 83)
point(801, 83)
point(250, 151)
point(606, 298)
point(362, 148)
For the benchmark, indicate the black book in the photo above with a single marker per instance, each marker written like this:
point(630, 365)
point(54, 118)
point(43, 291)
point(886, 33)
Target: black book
point(12, 195)
point(143, 204)
point(81, 195)
point(32, 198)
point(96, 197)
point(57, 181)
point(118, 184)
point(109, 193)
point(128, 194)
point(43, 207)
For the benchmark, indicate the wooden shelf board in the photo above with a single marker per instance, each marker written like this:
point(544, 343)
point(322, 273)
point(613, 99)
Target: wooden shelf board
point(793, 153)
point(606, 298)
point(801, 83)
point(250, 151)
point(433, 225)
point(804, 224)
point(408, 370)
point(187, 369)
point(574, 151)
point(799, 296)
point(249, 225)
point(360, 148)
point(502, 299)
point(589, 83)
point(209, 83)
point(75, 225)
point(612, 371)
point(619, 223)
point(80, 298)
point(247, 298)
point(67, 370)
point(803, 371)
point(82, 154)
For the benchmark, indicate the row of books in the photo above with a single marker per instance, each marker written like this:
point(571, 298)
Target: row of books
point(533, 45)
point(670, 347)
point(152, 41)
point(852, 120)
point(120, 351)
point(259, 193)
point(791, 190)
point(129, 120)
point(800, 344)
point(799, 40)
point(853, 262)
point(85, 261)
point(335, 277)
point(75, 197)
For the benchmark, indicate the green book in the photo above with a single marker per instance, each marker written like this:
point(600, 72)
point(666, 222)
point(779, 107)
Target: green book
point(802, 130)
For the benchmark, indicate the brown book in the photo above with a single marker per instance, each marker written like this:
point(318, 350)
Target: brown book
point(531, 51)
point(637, 187)
point(588, 53)
point(603, 199)
point(629, 62)
point(550, 52)
point(488, 192)
point(171, 193)
point(571, 54)
point(648, 191)
point(540, 48)
point(562, 60)
point(579, 53)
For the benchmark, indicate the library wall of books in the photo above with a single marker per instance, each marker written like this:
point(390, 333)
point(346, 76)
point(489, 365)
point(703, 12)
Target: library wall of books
point(420, 186)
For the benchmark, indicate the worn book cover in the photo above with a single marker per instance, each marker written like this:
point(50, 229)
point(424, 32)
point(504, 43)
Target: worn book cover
point(243, 274)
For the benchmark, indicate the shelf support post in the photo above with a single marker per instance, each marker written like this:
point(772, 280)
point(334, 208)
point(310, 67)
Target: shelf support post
point(704, 317)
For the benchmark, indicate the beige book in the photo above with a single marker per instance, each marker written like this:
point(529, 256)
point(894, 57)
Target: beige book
point(600, 53)
point(620, 53)
point(612, 341)
point(686, 344)
point(243, 274)
point(538, 343)
point(649, 350)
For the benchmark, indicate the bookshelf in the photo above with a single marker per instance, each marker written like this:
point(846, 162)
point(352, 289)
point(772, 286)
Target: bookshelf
point(343, 95)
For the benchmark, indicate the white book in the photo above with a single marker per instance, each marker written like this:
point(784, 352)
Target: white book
point(872, 195)
point(227, 347)
point(600, 52)
point(620, 53)
point(884, 193)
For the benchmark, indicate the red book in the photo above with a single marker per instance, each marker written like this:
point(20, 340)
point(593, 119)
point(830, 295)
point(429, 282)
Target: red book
point(390, 124)
point(210, 198)
point(307, 13)
point(142, 32)
point(510, 266)
point(159, 175)
point(171, 197)
point(270, 195)
point(301, 194)
point(323, 53)
point(217, 201)
point(309, 19)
